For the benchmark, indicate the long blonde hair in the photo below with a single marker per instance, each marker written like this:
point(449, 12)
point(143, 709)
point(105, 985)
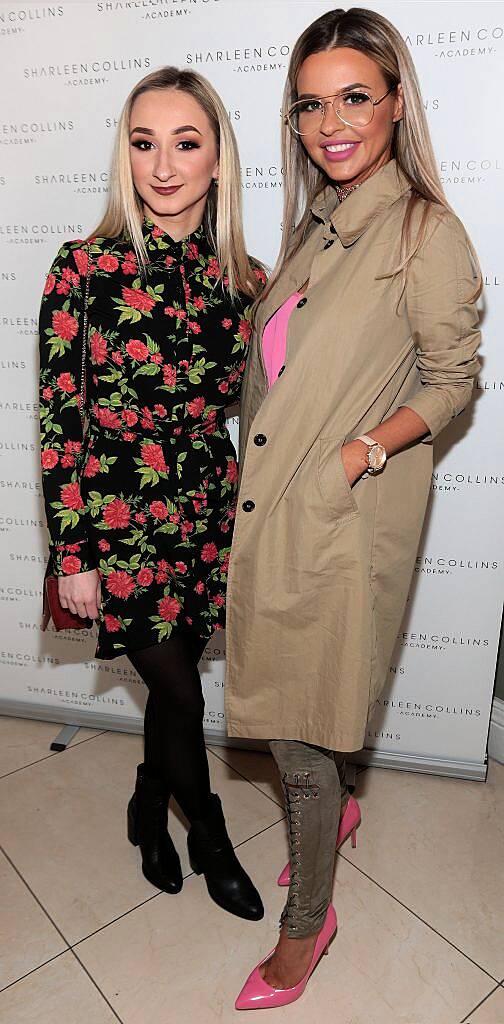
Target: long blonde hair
point(371, 34)
point(223, 212)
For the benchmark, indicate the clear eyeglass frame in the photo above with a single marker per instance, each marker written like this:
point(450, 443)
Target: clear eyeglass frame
point(291, 113)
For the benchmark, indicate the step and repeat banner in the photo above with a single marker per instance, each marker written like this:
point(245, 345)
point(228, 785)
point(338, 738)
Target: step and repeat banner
point(65, 71)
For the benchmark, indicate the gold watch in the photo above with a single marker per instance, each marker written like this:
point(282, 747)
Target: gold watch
point(376, 454)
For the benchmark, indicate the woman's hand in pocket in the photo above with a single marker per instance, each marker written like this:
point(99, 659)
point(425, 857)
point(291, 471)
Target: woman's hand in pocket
point(81, 593)
point(354, 459)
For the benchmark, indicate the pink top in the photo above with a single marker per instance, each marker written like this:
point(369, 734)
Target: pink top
point(274, 339)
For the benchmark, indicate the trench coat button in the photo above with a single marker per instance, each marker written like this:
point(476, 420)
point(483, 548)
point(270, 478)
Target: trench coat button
point(329, 243)
point(281, 370)
point(260, 439)
point(248, 506)
point(302, 302)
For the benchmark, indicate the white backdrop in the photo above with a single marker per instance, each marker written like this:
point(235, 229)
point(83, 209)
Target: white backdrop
point(65, 71)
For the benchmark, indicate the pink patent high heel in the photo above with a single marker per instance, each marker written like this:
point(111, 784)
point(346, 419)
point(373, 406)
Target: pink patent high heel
point(256, 994)
point(348, 826)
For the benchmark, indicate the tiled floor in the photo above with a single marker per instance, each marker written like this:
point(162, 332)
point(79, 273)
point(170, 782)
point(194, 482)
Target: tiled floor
point(85, 939)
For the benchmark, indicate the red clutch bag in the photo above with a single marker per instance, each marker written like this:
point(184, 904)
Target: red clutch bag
point(52, 609)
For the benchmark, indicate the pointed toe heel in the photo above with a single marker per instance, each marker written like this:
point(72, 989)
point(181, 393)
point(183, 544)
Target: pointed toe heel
point(256, 994)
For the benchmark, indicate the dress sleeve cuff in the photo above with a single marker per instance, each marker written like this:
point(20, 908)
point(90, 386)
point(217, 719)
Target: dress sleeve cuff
point(69, 559)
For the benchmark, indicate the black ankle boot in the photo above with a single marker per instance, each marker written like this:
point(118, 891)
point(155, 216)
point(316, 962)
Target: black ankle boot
point(211, 853)
point(147, 828)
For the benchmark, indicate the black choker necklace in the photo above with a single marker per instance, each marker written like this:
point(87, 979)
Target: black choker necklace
point(342, 191)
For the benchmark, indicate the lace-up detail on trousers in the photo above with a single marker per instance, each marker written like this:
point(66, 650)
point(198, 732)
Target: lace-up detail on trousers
point(311, 782)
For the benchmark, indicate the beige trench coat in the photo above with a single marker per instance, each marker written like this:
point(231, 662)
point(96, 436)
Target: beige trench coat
point(319, 572)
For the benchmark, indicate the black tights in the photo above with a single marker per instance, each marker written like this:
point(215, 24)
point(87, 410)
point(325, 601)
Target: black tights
point(173, 729)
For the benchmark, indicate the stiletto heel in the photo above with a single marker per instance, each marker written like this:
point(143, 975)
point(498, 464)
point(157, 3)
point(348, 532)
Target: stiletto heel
point(349, 824)
point(256, 994)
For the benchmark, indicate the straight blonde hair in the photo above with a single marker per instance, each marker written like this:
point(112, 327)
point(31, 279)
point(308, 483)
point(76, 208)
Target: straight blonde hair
point(371, 34)
point(223, 212)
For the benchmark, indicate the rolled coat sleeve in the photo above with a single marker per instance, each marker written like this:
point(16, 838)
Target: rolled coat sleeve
point(444, 321)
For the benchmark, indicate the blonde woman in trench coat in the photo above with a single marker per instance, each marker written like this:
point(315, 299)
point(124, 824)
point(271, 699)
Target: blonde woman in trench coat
point(380, 282)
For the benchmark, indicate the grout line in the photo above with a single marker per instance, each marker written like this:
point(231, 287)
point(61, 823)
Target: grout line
point(273, 823)
point(54, 753)
point(161, 893)
point(97, 987)
point(35, 897)
point(466, 1018)
point(413, 912)
point(242, 776)
point(35, 969)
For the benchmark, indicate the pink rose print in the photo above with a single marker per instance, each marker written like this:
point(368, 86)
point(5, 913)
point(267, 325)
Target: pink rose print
point(137, 299)
point(65, 326)
point(169, 608)
point(152, 455)
point(70, 564)
point(117, 514)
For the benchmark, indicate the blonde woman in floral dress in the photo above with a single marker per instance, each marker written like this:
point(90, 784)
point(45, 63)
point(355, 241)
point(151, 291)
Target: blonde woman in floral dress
point(140, 506)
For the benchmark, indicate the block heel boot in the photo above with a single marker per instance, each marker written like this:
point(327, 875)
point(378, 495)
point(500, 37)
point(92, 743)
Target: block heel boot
point(147, 828)
point(211, 854)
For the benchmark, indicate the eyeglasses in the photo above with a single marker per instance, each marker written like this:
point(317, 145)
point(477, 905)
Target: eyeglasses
point(355, 108)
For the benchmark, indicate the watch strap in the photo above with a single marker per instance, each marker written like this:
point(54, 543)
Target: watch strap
point(367, 440)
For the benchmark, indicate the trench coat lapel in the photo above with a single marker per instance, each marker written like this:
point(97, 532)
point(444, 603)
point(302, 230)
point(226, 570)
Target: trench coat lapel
point(355, 215)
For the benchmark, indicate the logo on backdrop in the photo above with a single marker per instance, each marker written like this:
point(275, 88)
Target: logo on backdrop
point(77, 698)
point(83, 182)
point(122, 675)
point(21, 447)
point(489, 385)
point(28, 410)
point(468, 172)
point(25, 325)
point(20, 133)
point(91, 72)
point(417, 709)
point(263, 176)
point(482, 41)
point(244, 60)
point(6, 276)
point(440, 641)
point(441, 565)
point(450, 482)
point(153, 10)
point(37, 234)
point(9, 523)
point(25, 659)
point(19, 487)
point(15, 20)
point(16, 594)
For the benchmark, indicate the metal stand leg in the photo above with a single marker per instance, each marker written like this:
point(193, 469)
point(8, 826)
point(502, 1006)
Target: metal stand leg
point(63, 738)
point(350, 776)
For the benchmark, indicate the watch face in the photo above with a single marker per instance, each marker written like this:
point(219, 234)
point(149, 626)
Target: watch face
point(376, 457)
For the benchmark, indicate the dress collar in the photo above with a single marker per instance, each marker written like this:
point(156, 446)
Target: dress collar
point(351, 218)
point(160, 242)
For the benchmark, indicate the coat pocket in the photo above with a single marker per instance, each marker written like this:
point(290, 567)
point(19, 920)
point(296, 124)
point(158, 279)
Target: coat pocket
point(333, 481)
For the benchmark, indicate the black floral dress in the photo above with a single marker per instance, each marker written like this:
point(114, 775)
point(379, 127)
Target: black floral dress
point(148, 494)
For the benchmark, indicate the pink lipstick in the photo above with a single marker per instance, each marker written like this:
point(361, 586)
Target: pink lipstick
point(340, 150)
point(168, 190)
